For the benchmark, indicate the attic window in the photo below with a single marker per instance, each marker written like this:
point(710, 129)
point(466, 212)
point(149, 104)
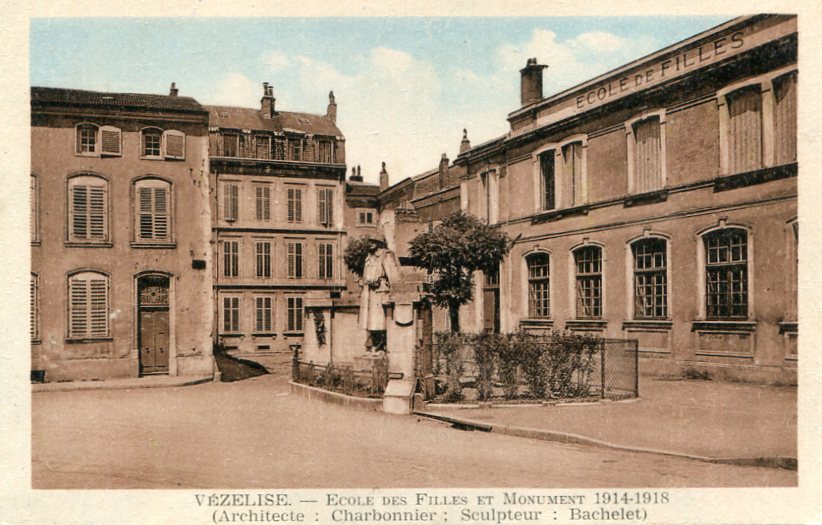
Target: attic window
point(302, 120)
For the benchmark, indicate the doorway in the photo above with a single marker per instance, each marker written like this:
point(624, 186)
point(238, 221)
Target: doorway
point(153, 333)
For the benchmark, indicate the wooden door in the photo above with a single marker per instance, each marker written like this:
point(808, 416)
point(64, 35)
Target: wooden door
point(154, 341)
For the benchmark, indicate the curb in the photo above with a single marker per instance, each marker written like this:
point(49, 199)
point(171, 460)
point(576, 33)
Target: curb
point(335, 398)
point(785, 462)
point(73, 386)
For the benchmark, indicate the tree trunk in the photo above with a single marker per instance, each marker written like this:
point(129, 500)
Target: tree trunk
point(454, 316)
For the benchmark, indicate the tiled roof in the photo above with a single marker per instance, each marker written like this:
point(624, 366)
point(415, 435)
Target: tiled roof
point(46, 96)
point(251, 118)
point(354, 188)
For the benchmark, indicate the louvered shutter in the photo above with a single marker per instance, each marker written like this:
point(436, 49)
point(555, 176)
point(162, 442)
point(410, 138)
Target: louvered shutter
point(258, 326)
point(97, 212)
point(99, 307)
point(33, 308)
point(291, 260)
point(146, 213)
point(745, 130)
point(648, 176)
point(175, 144)
point(111, 141)
point(78, 313)
point(298, 205)
point(79, 212)
point(785, 118)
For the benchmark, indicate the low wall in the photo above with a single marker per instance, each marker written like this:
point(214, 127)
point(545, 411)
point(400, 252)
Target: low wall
point(310, 392)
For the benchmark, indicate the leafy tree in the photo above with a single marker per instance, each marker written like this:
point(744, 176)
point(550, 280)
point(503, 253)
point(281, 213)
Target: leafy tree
point(358, 251)
point(452, 251)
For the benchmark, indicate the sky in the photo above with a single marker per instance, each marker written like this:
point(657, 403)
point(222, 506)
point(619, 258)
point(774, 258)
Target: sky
point(405, 87)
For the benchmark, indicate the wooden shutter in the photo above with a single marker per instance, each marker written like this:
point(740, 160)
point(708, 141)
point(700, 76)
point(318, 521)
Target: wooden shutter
point(745, 130)
point(575, 189)
point(88, 212)
point(325, 206)
point(175, 144)
point(295, 205)
point(99, 307)
point(88, 310)
point(546, 165)
point(231, 194)
point(33, 302)
point(291, 260)
point(785, 118)
point(110, 141)
point(78, 309)
point(648, 175)
point(79, 212)
point(154, 217)
point(263, 208)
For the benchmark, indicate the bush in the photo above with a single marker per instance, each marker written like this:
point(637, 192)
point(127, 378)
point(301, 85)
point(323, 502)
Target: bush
point(449, 344)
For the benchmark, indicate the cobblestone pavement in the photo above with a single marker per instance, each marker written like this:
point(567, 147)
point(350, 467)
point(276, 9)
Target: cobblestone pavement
point(253, 434)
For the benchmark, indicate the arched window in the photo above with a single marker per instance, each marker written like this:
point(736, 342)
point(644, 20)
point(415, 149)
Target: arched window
point(88, 209)
point(152, 209)
point(539, 285)
point(726, 273)
point(588, 266)
point(650, 278)
point(89, 305)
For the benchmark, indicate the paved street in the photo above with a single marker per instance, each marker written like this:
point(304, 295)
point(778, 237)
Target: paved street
point(253, 434)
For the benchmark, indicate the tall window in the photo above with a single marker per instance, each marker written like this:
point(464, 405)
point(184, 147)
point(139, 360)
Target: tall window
point(647, 155)
point(295, 260)
point(326, 262)
point(88, 305)
point(650, 279)
point(34, 306)
point(263, 146)
point(34, 202)
point(325, 152)
point(88, 209)
point(574, 176)
point(152, 139)
point(231, 258)
point(231, 201)
point(295, 205)
point(295, 148)
point(263, 250)
point(231, 314)
point(152, 210)
point(263, 314)
point(546, 168)
point(231, 144)
point(539, 285)
point(294, 307)
point(784, 89)
point(588, 261)
point(263, 202)
point(745, 129)
point(325, 206)
point(726, 274)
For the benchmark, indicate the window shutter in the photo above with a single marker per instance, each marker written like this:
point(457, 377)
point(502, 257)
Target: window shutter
point(99, 307)
point(648, 175)
point(298, 205)
point(745, 130)
point(110, 139)
point(175, 142)
point(97, 212)
point(146, 213)
point(785, 119)
point(161, 222)
point(33, 307)
point(79, 212)
point(78, 321)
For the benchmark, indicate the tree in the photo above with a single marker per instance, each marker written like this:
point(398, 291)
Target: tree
point(451, 252)
point(358, 251)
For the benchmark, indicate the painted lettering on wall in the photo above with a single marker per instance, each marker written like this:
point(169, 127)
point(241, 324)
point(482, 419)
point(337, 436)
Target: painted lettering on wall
point(710, 51)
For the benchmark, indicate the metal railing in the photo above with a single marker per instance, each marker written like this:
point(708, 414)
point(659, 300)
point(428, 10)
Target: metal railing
point(342, 378)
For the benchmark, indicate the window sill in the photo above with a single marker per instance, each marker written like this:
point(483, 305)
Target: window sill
point(293, 333)
point(788, 327)
point(555, 215)
point(759, 176)
point(736, 355)
point(536, 322)
point(650, 197)
point(165, 245)
point(727, 327)
point(150, 157)
point(77, 244)
point(76, 341)
point(264, 334)
point(232, 335)
point(586, 324)
point(647, 325)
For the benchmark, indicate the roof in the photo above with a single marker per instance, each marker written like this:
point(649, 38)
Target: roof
point(252, 118)
point(356, 188)
point(48, 96)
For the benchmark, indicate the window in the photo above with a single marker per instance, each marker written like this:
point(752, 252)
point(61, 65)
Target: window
point(88, 209)
point(295, 260)
point(574, 174)
point(489, 190)
point(88, 306)
point(325, 152)
point(34, 307)
point(726, 274)
point(263, 310)
point(539, 285)
point(231, 314)
point(647, 155)
point(263, 202)
point(87, 139)
point(263, 259)
point(295, 314)
point(153, 210)
point(325, 206)
point(231, 201)
point(263, 147)
point(326, 262)
point(231, 144)
point(588, 262)
point(295, 205)
point(546, 169)
point(295, 146)
point(231, 258)
point(784, 89)
point(650, 279)
point(95, 140)
point(175, 144)
point(152, 138)
point(34, 202)
point(745, 129)
point(365, 217)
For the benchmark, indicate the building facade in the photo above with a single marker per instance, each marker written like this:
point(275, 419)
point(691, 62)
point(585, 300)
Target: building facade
point(277, 202)
point(120, 276)
point(658, 202)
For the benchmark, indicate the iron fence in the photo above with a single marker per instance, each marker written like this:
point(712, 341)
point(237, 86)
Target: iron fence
point(342, 378)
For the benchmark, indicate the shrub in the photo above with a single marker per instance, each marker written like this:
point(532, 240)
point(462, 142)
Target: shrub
point(448, 345)
point(486, 349)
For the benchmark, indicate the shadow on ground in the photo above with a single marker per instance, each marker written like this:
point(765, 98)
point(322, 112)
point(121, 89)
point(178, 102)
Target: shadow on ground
point(236, 369)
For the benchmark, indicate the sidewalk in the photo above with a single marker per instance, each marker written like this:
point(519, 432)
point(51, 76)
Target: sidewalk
point(126, 383)
point(708, 420)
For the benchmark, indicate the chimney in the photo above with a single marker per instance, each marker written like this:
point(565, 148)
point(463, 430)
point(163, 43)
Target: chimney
point(531, 82)
point(267, 102)
point(443, 171)
point(354, 177)
point(465, 145)
point(383, 178)
point(331, 113)
point(173, 91)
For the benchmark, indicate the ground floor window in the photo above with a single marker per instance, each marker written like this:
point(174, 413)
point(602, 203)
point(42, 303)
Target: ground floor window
point(539, 285)
point(650, 279)
point(726, 274)
point(588, 262)
point(231, 314)
point(263, 314)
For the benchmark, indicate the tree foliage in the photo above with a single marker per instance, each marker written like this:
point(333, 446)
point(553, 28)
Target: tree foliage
point(358, 251)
